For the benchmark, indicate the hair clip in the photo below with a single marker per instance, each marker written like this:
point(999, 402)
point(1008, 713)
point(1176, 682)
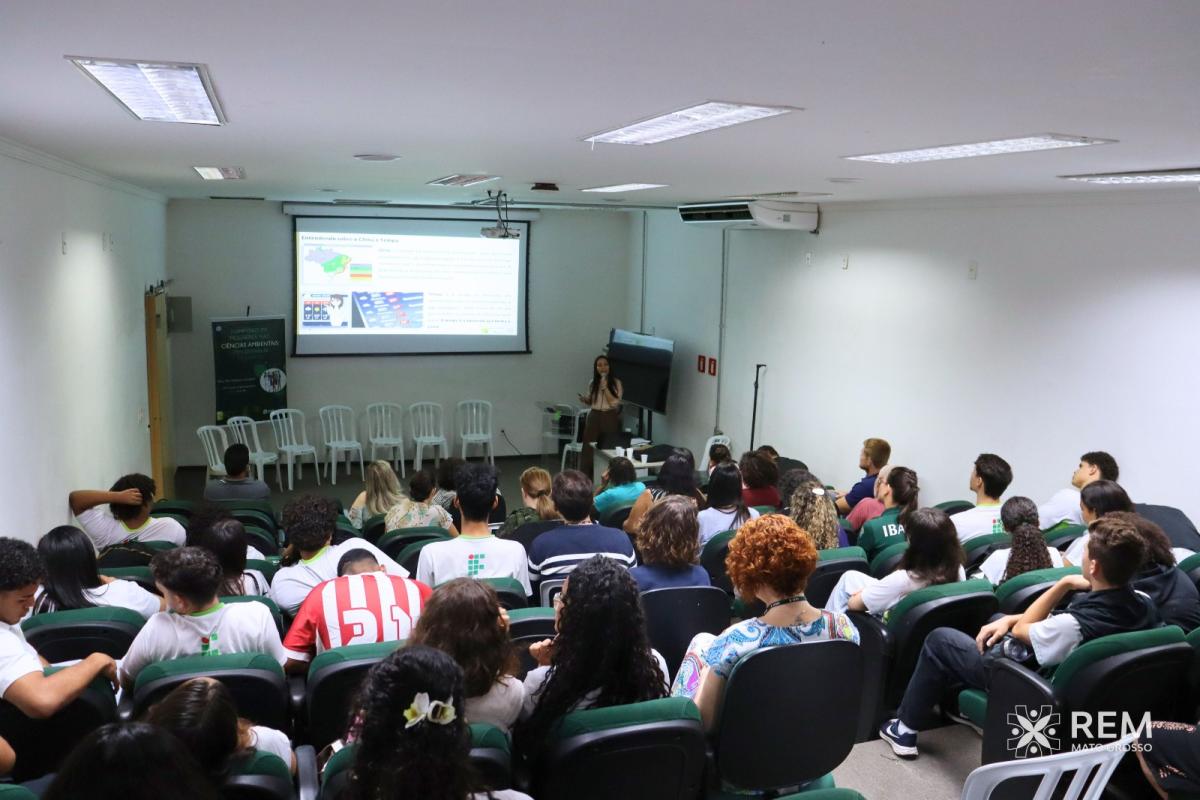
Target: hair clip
point(818, 491)
point(438, 712)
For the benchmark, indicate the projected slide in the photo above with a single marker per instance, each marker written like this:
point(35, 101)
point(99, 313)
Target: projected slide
point(383, 286)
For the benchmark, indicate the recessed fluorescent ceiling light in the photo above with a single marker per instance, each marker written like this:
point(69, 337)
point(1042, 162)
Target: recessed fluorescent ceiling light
point(221, 173)
point(375, 157)
point(1020, 144)
point(1186, 175)
point(463, 180)
point(687, 121)
point(627, 187)
point(157, 91)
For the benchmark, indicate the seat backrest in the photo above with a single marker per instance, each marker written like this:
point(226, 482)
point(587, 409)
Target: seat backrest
point(425, 420)
point(289, 427)
point(244, 430)
point(548, 589)
point(175, 506)
point(1092, 769)
point(962, 605)
point(616, 517)
point(1191, 566)
point(952, 507)
point(261, 539)
point(393, 542)
point(385, 421)
point(1017, 594)
point(531, 530)
point(255, 680)
point(1061, 535)
point(885, 561)
point(979, 548)
point(410, 553)
point(42, 744)
point(474, 418)
point(76, 634)
point(267, 566)
point(139, 574)
point(712, 558)
point(831, 564)
point(526, 626)
point(761, 703)
point(674, 616)
point(373, 528)
point(651, 749)
point(130, 554)
point(337, 424)
point(215, 444)
point(333, 678)
point(270, 605)
point(257, 775)
point(511, 592)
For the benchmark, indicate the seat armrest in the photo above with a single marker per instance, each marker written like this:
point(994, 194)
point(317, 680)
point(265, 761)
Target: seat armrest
point(1011, 686)
point(308, 780)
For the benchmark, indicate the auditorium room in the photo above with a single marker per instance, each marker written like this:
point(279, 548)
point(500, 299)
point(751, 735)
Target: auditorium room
point(672, 400)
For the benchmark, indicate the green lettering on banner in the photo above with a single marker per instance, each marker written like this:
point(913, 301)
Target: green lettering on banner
point(249, 367)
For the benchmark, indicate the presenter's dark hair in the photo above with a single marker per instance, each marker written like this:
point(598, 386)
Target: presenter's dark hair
point(594, 386)
point(476, 492)
point(70, 561)
point(237, 458)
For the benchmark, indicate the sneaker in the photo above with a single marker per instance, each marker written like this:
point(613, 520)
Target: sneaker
point(903, 744)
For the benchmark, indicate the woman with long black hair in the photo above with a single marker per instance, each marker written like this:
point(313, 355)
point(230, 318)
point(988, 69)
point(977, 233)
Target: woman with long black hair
point(603, 399)
point(73, 580)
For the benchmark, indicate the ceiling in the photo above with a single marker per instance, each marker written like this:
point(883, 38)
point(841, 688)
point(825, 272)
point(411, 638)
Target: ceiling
point(510, 89)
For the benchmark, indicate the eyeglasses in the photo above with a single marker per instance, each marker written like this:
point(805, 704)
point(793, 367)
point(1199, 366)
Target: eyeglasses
point(558, 601)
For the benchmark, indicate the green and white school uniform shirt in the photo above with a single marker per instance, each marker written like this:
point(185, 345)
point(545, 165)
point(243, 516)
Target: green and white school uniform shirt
point(470, 557)
point(105, 530)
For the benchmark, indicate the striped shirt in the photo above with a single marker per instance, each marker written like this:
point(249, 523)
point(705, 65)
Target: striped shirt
point(559, 550)
point(355, 609)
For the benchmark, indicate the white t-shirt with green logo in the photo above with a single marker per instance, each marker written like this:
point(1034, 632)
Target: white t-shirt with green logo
point(977, 521)
point(105, 530)
point(469, 557)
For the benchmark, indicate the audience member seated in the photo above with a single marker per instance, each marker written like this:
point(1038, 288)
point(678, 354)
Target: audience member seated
point(131, 761)
point(365, 605)
point(790, 480)
point(669, 547)
point(813, 509)
point(464, 619)
point(382, 492)
point(874, 457)
point(1096, 500)
point(447, 472)
point(1029, 550)
point(600, 657)
point(990, 476)
point(208, 515)
point(556, 552)
point(197, 622)
point(868, 508)
point(1063, 506)
point(22, 681)
point(770, 560)
point(1167, 586)
point(952, 660)
point(1169, 755)
point(677, 475)
point(620, 487)
point(411, 730)
point(770, 452)
point(1185, 539)
point(73, 581)
point(418, 510)
point(226, 539)
point(718, 454)
point(759, 476)
point(237, 483)
point(310, 557)
point(476, 552)
point(726, 510)
point(128, 515)
point(934, 556)
point(202, 714)
point(899, 493)
point(536, 504)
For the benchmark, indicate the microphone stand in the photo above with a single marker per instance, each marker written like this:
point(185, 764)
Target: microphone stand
point(754, 410)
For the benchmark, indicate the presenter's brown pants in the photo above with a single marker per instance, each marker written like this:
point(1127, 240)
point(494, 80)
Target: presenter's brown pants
point(598, 424)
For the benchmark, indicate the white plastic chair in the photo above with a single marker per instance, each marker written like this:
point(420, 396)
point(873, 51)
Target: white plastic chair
point(475, 426)
point(340, 437)
point(1096, 764)
point(425, 422)
point(574, 445)
point(385, 431)
point(702, 456)
point(215, 444)
point(244, 430)
point(291, 437)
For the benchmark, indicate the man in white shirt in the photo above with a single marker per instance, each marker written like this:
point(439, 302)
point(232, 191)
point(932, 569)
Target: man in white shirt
point(310, 558)
point(128, 515)
point(475, 553)
point(1064, 505)
point(22, 680)
point(197, 622)
point(951, 660)
point(990, 476)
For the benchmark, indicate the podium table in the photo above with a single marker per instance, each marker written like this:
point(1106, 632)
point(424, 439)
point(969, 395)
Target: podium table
point(600, 459)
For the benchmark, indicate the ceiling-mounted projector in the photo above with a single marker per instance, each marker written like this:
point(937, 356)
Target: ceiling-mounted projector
point(499, 232)
point(777, 214)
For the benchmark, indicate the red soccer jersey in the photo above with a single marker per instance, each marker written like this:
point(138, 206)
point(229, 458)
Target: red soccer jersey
point(355, 609)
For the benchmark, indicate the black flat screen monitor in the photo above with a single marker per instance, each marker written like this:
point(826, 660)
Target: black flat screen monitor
point(643, 365)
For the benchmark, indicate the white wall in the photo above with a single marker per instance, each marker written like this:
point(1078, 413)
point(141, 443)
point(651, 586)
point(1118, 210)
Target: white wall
point(230, 254)
point(1078, 334)
point(72, 342)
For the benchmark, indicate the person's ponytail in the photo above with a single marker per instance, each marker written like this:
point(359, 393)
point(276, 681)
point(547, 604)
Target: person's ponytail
point(905, 490)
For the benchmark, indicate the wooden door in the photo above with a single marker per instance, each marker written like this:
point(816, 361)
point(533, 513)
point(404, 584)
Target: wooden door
point(158, 394)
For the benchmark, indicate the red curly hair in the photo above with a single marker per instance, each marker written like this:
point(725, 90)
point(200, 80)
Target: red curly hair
point(771, 552)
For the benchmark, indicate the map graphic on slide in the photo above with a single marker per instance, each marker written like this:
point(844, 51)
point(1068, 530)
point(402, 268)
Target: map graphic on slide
point(391, 309)
point(332, 262)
